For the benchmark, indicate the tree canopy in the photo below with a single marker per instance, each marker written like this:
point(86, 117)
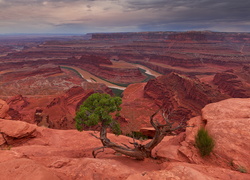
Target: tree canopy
point(97, 109)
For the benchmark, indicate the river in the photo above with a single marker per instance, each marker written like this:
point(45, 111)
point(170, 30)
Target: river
point(94, 79)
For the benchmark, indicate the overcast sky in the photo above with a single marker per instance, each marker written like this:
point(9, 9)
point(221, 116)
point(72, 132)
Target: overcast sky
point(82, 16)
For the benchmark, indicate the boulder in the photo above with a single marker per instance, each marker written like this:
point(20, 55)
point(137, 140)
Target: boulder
point(66, 154)
point(150, 132)
point(231, 109)
point(12, 131)
point(228, 123)
point(16, 129)
point(4, 107)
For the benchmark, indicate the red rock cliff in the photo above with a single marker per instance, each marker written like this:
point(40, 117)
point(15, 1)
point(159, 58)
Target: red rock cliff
point(231, 84)
point(179, 92)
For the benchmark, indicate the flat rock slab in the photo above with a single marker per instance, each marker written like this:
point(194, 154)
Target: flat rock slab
point(228, 122)
point(16, 129)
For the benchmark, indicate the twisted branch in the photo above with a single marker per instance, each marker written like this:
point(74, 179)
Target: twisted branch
point(94, 153)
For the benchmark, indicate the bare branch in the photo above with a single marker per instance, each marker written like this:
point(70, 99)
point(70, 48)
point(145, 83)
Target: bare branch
point(134, 139)
point(152, 119)
point(126, 145)
point(134, 143)
point(176, 128)
point(164, 114)
point(94, 136)
point(140, 151)
point(3, 135)
point(94, 153)
point(166, 117)
point(157, 123)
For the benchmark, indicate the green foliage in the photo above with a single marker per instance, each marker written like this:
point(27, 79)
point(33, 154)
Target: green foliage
point(239, 168)
point(115, 126)
point(6, 147)
point(96, 109)
point(242, 169)
point(204, 142)
point(137, 135)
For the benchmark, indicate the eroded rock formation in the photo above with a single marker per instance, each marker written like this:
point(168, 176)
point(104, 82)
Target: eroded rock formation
point(179, 92)
point(227, 122)
point(60, 112)
point(231, 84)
point(174, 92)
point(39, 152)
point(4, 107)
point(54, 111)
point(190, 53)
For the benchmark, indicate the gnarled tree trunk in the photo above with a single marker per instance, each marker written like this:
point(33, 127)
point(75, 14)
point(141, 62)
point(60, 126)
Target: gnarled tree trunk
point(139, 151)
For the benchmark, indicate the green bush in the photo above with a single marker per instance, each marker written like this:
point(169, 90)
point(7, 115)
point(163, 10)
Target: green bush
point(204, 142)
point(137, 135)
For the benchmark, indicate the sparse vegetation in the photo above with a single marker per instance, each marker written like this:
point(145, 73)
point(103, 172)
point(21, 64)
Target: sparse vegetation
point(236, 167)
point(242, 169)
point(95, 111)
point(137, 135)
point(204, 142)
point(6, 147)
point(231, 163)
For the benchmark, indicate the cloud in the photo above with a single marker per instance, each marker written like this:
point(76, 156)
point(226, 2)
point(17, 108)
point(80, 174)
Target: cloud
point(193, 14)
point(123, 15)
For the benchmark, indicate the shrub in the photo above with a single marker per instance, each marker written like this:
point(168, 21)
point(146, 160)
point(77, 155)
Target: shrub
point(204, 142)
point(137, 135)
point(242, 169)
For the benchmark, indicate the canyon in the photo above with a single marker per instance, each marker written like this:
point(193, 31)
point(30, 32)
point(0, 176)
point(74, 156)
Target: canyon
point(181, 71)
point(202, 76)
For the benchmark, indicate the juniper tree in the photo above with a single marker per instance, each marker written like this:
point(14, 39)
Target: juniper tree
point(97, 109)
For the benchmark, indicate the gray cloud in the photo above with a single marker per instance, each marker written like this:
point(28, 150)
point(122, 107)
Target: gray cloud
point(196, 14)
point(123, 15)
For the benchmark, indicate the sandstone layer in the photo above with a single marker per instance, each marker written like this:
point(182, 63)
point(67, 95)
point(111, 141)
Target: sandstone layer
point(177, 93)
point(32, 152)
point(237, 86)
point(227, 122)
point(54, 111)
point(191, 53)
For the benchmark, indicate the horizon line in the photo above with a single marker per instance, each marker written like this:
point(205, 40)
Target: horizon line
point(72, 34)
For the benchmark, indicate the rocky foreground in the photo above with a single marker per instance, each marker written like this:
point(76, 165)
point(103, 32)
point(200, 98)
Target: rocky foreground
point(32, 152)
